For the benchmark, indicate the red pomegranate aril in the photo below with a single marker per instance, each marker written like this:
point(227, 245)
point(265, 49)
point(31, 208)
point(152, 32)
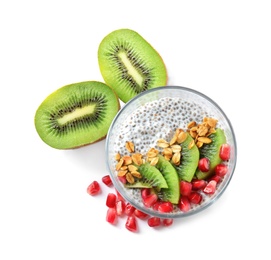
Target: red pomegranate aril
point(120, 207)
point(119, 196)
point(184, 204)
point(111, 200)
point(225, 152)
point(107, 180)
point(204, 164)
point(215, 177)
point(210, 187)
point(154, 221)
point(129, 209)
point(156, 205)
point(150, 200)
point(122, 179)
point(93, 188)
point(185, 188)
point(221, 170)
point(145, 192)
point(131, 223)
point(165, 207)
point(167, 222)
point(198, 184)
point(140, 214)
point(111, 215)
point(195, 197)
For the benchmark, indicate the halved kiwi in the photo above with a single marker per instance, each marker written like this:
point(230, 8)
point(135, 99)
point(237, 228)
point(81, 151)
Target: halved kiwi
point(172, 193)
point(211, 151)
point(189, 160)
point(76, 115)
point(129, 64)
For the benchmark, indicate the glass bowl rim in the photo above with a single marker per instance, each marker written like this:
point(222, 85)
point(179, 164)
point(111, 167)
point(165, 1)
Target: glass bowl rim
point(117, 185)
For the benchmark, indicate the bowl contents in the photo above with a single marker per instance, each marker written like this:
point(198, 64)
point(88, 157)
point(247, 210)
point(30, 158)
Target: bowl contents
point(177, 171)
point(76, 115)
point(169, 154)
point(129, 64)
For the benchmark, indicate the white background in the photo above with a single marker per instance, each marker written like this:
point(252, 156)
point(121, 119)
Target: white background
point(221, 48)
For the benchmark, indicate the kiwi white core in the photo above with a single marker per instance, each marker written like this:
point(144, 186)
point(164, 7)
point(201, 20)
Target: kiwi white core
point(77, 113)
point(132, 71)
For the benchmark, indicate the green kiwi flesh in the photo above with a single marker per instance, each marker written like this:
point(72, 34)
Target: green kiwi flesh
point(138, 184)
point(76, 115)
point(172, 193)
point(211, 151)
point(189, 160)
point(151, 176)
point(129, 64)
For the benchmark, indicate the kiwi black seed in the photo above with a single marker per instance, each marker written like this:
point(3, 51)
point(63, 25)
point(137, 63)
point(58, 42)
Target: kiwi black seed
point(129, 64)
point(76, 115)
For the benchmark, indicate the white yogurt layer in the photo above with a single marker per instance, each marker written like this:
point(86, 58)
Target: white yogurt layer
point(157, 119)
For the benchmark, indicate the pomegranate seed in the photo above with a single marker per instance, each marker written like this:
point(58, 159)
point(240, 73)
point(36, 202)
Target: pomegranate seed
point(129, 209)
point(122, 179)
point(165, 207)
point(184, 204)
point(107, 180)
point(210, 187)
point(195, 197)
point(215, 178)
point(111, 200)
point(204, 164)
point(225, 152)
point(93, 188)
point(185, 188)
point(156, 205)
point(198, 184)
point(221, 169)
point(140, 214)
point(131, 224)
point(150, 200)
point(111, 215)
point(120, 207)
point(167, 222)
point(119, 196)
point(154, 221)
point(145, 192)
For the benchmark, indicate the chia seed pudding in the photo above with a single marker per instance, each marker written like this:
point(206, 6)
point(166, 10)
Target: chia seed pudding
point(149, 122)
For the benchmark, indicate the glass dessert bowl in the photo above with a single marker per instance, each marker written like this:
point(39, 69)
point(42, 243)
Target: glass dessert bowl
point(171, 152)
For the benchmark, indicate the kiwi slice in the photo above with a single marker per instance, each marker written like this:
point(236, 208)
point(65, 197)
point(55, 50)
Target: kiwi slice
point(151, 177)
point(172, 193)
point(129, 64)
point(189, 160)
point(138, 184)
point(211, 151)
point(76, 115)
